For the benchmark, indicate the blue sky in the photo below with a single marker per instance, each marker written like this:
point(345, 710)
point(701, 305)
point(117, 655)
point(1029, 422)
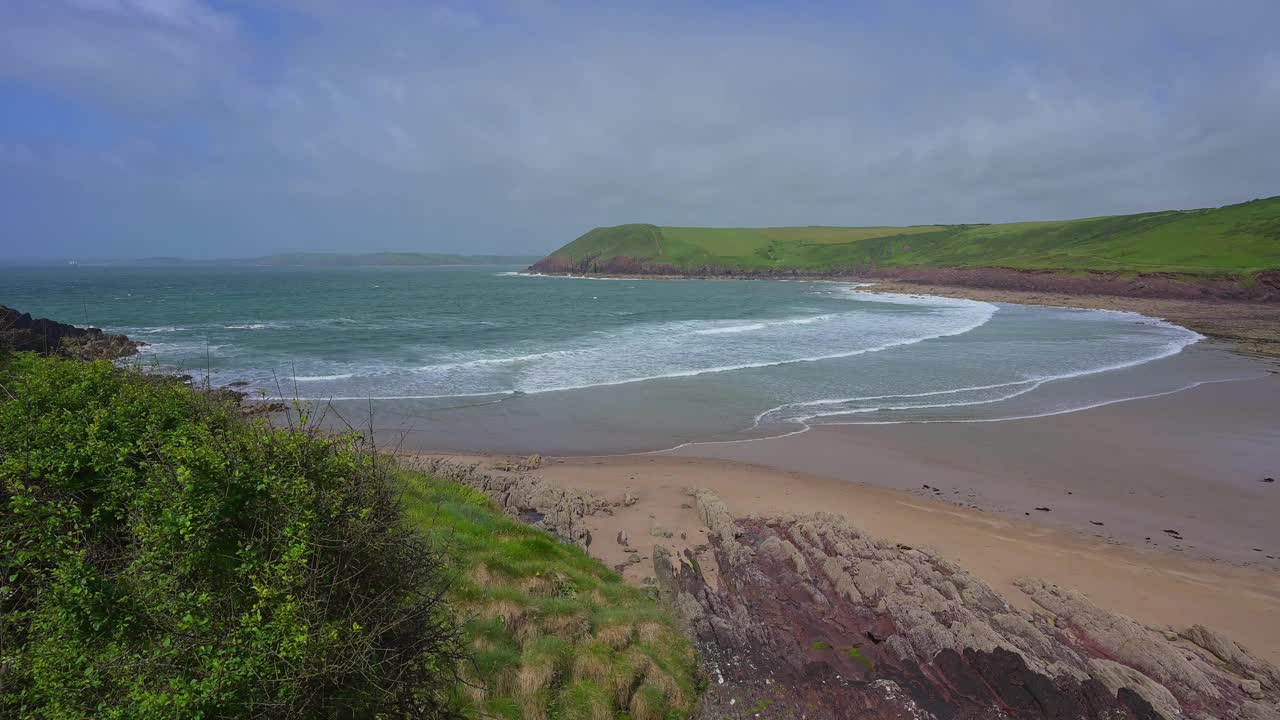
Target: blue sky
point(241, 127)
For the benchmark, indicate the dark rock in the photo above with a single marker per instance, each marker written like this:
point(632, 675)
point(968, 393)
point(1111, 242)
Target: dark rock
point(1095, 522)
point(1043, 509)
point(50, 337)
point(906, 634)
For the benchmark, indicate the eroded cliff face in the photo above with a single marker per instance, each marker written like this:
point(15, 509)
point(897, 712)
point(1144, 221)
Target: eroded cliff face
point(1262, 287)
point(23, 332)
point(806, 616)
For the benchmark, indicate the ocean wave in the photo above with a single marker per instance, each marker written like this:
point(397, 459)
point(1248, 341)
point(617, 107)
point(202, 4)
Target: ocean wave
point(731, 329)
point(754, 326)
point(804, 428)
point(253, 326)
point(645, 352)
point(1175, 346)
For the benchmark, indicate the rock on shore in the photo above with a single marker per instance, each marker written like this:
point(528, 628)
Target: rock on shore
point(806, 616)
point(23, 332)
point(527, 498)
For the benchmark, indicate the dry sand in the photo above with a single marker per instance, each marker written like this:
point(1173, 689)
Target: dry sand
point(1149, 585)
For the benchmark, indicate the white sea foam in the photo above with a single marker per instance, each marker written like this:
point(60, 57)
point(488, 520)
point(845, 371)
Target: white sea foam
point(728, 330)
point(1175, 346)
point(690, 348)
point(804, 428)
point(323, 378)
point(253, 326)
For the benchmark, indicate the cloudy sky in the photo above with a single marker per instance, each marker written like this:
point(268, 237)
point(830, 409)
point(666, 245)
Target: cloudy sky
point(238, 127)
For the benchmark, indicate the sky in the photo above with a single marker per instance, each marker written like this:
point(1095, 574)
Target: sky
point(233, 128)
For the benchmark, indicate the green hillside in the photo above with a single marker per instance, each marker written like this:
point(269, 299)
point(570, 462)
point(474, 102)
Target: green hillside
point(1231, 240)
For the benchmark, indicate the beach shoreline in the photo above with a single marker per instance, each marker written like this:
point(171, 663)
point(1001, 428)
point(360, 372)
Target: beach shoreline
point(1153, 585)
point(1251, 327)
point(1112, 481)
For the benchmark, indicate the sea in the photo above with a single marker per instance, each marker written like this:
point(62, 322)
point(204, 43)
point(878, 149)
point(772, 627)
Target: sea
point(492, 359)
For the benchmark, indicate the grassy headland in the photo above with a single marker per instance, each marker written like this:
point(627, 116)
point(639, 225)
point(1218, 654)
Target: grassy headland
point(1234, 241)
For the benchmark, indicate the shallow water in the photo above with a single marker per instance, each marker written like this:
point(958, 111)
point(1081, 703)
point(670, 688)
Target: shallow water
point(489, 359)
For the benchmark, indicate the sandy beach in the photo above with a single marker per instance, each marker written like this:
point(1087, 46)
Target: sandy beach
point(1115, 480)
point(1149, 585)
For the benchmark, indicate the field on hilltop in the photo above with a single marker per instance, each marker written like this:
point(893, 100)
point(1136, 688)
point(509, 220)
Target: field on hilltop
point(1234, 240)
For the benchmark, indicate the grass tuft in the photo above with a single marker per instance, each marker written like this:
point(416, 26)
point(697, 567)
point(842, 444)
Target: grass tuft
point(616, 636)
point(648, 703)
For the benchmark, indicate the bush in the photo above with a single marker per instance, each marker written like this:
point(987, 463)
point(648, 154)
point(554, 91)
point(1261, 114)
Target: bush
point(162, 557)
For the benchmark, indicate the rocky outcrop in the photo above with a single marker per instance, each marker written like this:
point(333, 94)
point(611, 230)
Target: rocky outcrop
point(810, 617)
point(527, 498)
point(20, 331)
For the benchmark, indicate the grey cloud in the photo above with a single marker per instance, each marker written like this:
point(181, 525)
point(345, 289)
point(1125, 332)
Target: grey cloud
point(517, 126)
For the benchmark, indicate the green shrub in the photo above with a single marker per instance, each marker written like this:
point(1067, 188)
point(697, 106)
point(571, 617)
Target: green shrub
point(161, 557)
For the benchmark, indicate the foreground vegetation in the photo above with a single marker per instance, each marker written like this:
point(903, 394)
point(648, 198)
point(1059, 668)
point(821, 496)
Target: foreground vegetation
point(161, 556)
point(554, 634)
point(1232, 240)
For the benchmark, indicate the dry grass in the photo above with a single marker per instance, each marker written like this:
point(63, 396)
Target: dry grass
point(625, 675)
point(535, 677)
point(537, 585)
point(593, 662)
point(616, 636)
point(666, 684)
point(511, 613)
point(534, 707)
point(647, 703)
point(483, 577)
point(651, 633)
point(572, 626)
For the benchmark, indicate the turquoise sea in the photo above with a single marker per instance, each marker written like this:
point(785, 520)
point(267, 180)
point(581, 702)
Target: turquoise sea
point(492, 359)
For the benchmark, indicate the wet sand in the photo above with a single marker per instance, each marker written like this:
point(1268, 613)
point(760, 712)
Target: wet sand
point(1181, 473)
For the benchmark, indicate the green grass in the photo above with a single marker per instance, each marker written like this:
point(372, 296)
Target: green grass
point(1235, 240)
point(554, 633)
